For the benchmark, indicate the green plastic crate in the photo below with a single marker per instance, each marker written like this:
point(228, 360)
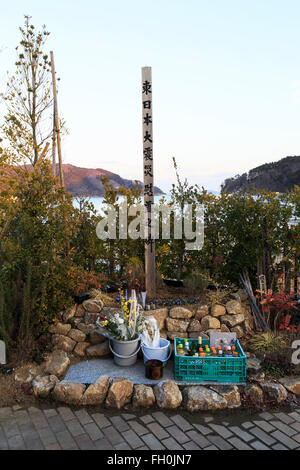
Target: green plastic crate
point(213, 369)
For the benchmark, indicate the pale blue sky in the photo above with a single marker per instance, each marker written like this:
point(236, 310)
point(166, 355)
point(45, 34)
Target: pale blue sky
point(226, 81)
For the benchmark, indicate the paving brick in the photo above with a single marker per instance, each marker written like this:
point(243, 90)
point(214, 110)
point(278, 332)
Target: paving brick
point(46, 435)
point(238, 444)
point(295, 416)
point(66, 413)
point(158, 430)
point(220, 442)
point(84, 442)
point(6, 413)
point(22, 417)
point(56, 423)
point(211, 448)
point(50, 413)
point(66, 441)
point(119, 423)
point(284, 418)
point(162, 419)
point(191, 445)
point(221, 430)
point(264, 425)
point(295, 426)
point(152, 442)
point(10, 428)
point(128, 416)
point(54, 446)
point(100, 420)
point(75, 427)
point(247, 425)
point(133, 439)
point(266, 416)
point(93, 431)
point(103, 444)
point(147, 419)
point(138, 428)
point(257, 445)
point(202, 429)
point(241, 434)
point(284, 428)
point(285, 440)
point(122, 446)
point(180, 436)
point(264, 437)
point(16, 443)
point(143, 448)
point(171, 444)
point(112, 435)
point(83, 416)
point(182, 423)
point(39, 420)
point(198, 438)
point(3, 440)
point(279, 447)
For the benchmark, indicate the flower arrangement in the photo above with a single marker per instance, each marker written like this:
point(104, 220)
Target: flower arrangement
point(124, 326)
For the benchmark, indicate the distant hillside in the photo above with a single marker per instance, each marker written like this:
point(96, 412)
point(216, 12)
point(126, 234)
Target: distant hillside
point(278, 177)
point(87, 181)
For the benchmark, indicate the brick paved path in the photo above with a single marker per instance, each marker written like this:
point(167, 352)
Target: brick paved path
point(65, 428)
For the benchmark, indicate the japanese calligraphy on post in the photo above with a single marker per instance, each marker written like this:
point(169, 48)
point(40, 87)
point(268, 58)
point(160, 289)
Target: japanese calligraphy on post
point(148, 177)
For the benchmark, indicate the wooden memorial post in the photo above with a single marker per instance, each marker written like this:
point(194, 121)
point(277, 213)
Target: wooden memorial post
point(148, 179)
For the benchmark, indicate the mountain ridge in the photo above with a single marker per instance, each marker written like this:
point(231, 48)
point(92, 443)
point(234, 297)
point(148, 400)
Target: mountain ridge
point(86, 182)
point(278, 176)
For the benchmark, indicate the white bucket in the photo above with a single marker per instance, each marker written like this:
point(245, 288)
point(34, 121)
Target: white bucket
point(161, 353)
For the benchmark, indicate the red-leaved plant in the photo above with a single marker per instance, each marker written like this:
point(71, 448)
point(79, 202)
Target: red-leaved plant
point(276, 304)
point(286, 326)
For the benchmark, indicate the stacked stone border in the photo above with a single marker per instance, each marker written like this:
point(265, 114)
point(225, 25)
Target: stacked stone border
point(75, 334)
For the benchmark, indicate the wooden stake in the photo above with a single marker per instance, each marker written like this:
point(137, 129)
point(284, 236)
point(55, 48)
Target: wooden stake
point(148, 180)
point(58, 140)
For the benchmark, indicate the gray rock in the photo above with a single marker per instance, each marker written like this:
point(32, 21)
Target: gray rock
point(68, 392)
point(210, 323)
point(253, 365)
point(120, 393)
point(254, 392)
point(77, 335)
point(218, 310)
point(57, 363)
point(60, 328)
point(98, 350)
point(234, 307)
point(180, 313)
point(199, 398)
point(292, 384)
point(167, 394)
point(43, 386)
point(275, 392)
point(94, 306)
point(81, 348)
point(233, 320)
point(96, 393)
point(177, 325)
point(143, 396)
point(69, 313)
point(230, 393)
point(194, 325)
point(63, 343)
point(201, 312)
